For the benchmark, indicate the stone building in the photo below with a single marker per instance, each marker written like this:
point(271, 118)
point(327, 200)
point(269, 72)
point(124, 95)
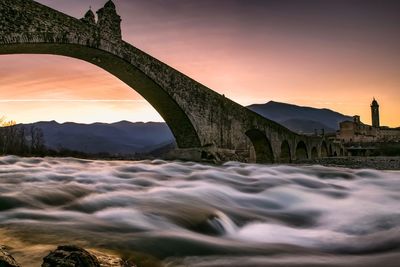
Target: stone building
point(357, 132)
point(109, 22)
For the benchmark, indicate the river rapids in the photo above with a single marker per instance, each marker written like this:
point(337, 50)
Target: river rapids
point(162, 213)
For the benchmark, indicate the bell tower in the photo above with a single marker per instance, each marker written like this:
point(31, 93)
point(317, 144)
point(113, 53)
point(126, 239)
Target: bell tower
point(375, 113)
point(109, 22)
point(89, 17)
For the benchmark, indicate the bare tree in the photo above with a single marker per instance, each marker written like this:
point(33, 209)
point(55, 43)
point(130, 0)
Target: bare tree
point(37, 140)
point(20, 140)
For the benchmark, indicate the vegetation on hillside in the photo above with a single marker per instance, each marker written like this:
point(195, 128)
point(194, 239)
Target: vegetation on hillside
point(20, 140)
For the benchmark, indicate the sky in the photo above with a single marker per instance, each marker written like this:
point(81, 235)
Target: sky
point(335, 54)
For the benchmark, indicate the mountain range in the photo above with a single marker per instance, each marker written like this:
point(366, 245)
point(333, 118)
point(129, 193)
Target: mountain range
point(120, 138)
point(300, 119)
point(128, 138)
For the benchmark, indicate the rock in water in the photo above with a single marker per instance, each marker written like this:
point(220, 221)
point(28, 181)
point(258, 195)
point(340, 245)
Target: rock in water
point(106, 260)
point(6, 260)
point(70, 256)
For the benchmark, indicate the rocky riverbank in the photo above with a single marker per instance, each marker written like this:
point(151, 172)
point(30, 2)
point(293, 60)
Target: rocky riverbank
point(69, 256)
point(378, 163)
point(6, 260)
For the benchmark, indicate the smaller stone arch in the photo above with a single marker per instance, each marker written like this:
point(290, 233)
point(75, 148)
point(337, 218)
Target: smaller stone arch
point(314, 153)
point(285, 156)
point(262, 146)
point(324, 150)
point(301, 151)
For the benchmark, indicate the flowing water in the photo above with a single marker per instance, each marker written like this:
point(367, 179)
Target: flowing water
point(188, 214)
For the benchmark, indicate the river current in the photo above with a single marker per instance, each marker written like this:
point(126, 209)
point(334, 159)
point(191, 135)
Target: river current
point(162, 213)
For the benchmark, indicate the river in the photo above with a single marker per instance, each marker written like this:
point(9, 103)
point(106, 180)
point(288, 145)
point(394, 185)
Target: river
point(163, 213)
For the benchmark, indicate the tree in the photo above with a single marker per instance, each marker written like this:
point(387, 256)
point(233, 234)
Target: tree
point(19, 139)
point(36, 139)
point(5, 123)
point(6, 134)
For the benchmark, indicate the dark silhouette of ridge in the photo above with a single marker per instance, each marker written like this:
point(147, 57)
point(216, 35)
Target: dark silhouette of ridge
point(128, 138)
point(120, 138)
point(300, 119)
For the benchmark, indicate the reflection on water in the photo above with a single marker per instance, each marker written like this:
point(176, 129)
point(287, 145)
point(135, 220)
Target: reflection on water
point(189, 214)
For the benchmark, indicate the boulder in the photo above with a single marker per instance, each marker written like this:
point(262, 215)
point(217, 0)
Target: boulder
point(6, 260)
point(106, 260)
point(70, 256)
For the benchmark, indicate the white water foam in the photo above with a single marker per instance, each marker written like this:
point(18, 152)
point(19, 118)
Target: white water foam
point(187, 209)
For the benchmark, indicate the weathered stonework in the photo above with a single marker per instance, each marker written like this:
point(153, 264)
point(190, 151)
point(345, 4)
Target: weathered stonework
point(109, 23)
point(198, 117)
point(89, 18)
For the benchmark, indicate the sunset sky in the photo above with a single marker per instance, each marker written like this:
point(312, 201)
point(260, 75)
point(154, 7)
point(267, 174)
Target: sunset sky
point(336, 54)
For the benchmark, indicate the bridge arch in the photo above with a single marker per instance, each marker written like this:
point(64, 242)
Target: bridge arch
point(285, 156)
point(199, 118)
point(181, 126)
point(301, 151)
point(262, 146)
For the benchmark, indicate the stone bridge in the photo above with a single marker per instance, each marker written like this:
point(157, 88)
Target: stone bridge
point(204, 123)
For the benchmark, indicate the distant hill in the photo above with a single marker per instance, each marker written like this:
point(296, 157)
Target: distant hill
point(300, 119)
point(122, 138)
point(153, 138)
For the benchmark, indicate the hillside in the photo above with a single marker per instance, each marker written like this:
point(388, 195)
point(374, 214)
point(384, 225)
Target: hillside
point(300, 119)
point(122, 138)
point(128, 138)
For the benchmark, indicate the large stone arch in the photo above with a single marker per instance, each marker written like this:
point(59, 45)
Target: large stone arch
point(286, 155)
point(201, 119)
point(173, 114)
point(261, 145)
point(301, 151)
